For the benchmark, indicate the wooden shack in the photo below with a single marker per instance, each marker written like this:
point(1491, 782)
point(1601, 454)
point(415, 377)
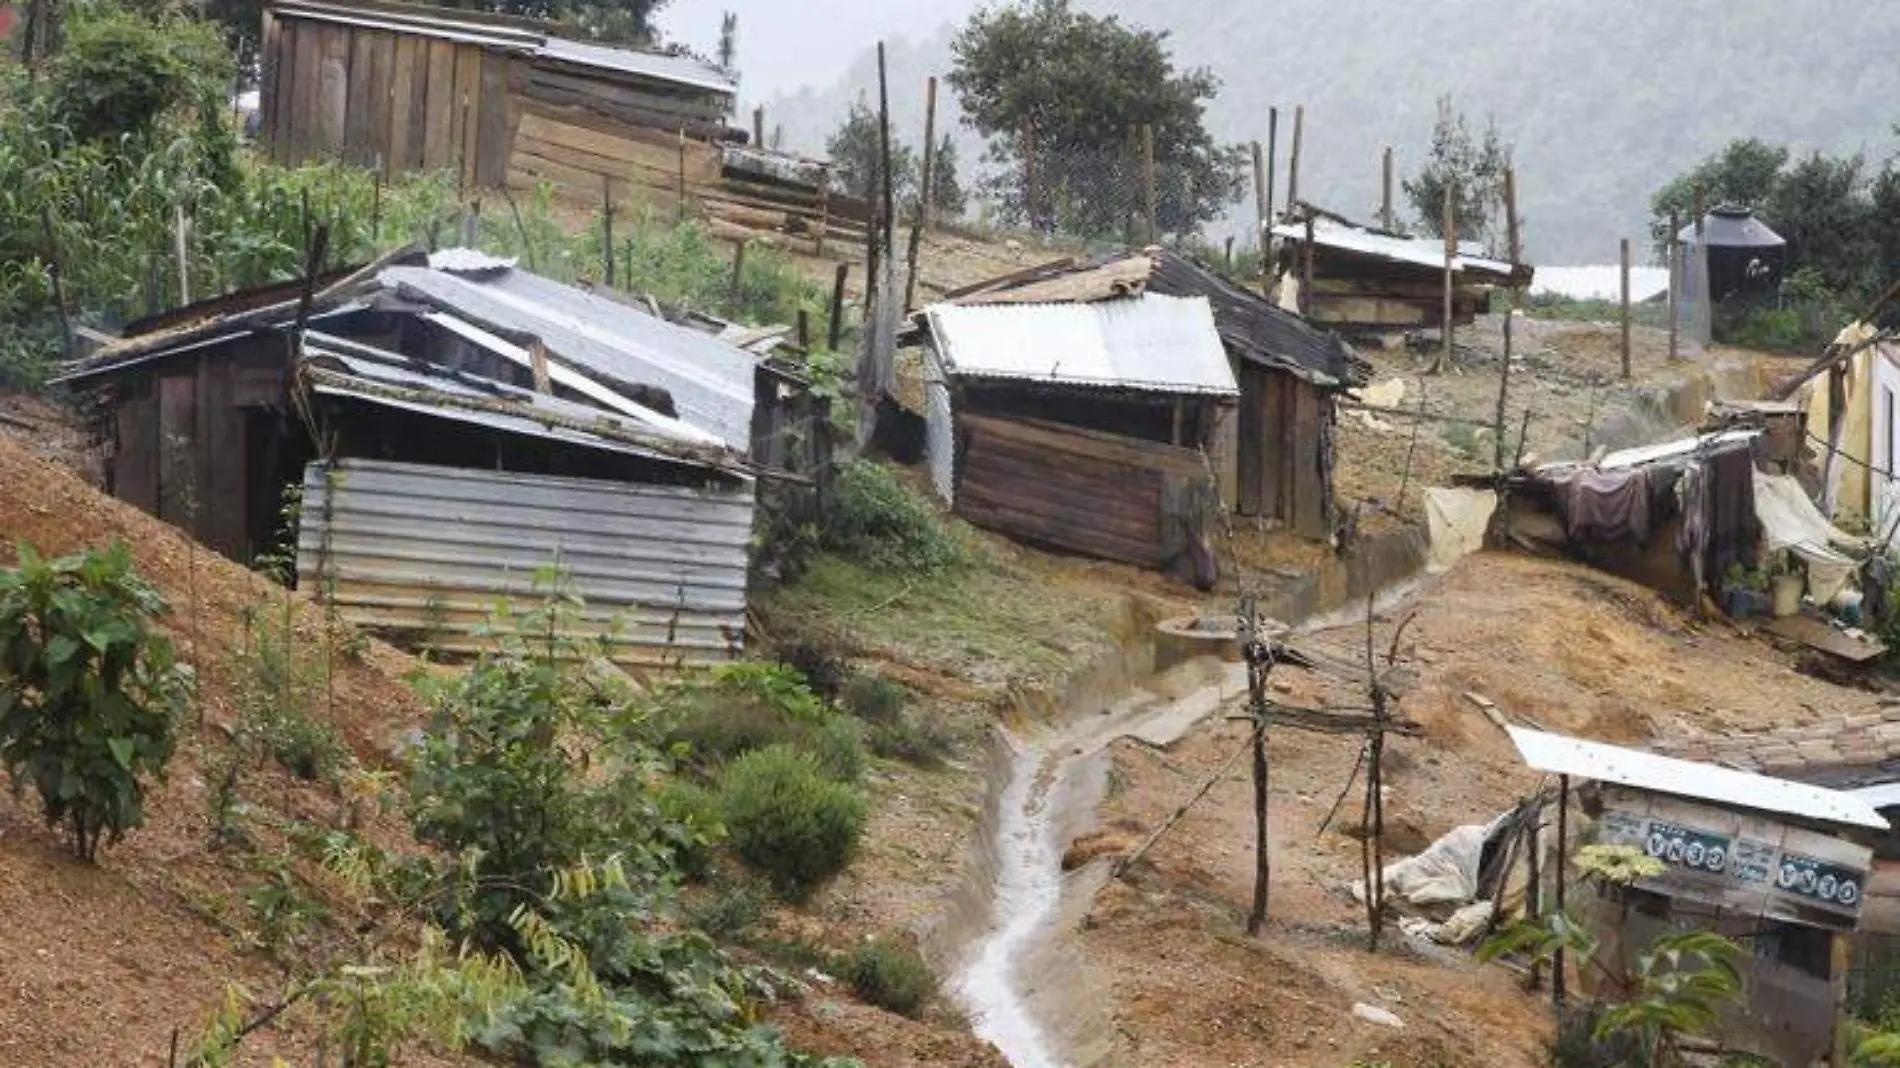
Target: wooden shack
point(1273, 452)
point(501, 102)
point(1081, 426)
point(1341, 274)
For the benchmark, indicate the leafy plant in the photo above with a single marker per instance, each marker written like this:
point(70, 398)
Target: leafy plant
point(89, 690)
point(1684, 982)
point(278, 692)
point(788, 820)
point(878, 522)
point(890, 975)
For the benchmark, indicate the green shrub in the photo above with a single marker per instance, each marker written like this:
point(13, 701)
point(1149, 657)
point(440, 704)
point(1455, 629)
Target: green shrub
point(838, 747)
point(890, 975)
point(89, 690)
point(914, 737)
point(877, 522)
point(875, 699)
point(732, 911)
point(695, 810)
point(788, 820)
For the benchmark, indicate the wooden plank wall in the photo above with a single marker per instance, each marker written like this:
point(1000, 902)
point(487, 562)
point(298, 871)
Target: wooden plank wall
point(371, 96)
point(1079, 490)
point(1283, 471)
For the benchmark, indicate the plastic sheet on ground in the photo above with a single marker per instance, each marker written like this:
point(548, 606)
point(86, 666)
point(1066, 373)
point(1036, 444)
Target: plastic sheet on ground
point(1456, 520)
point(1462, 928)
point(1445, 874)
point(1789, 520)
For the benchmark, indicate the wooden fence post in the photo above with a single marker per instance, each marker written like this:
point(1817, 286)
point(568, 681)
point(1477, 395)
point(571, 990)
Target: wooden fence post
point(607, 229)
point(682, 176)
point(738, 275)
point(180, 227)
point(835, 327)
point(1450, 226)
point(1674, 254)
point(927, 195)
point(1260, 201)
point(1625, 276)
point(758, 127)
point(1293, 164)
point(1273, 157)
point(1385, 197)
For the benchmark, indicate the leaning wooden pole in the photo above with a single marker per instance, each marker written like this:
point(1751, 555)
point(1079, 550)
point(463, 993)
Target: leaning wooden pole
point(1625, 277)
point(1674, 252)
point(884, 149)
point(1260, 201)
point(927, 197)
point(1385, 194)
point(1293, 162)
point(1514, 238)
point(1260, 660)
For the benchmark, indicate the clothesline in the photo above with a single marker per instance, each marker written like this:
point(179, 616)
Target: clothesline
point(1855, 460)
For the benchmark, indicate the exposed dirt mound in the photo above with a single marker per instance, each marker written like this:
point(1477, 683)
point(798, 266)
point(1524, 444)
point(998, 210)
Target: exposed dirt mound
point(103, 963)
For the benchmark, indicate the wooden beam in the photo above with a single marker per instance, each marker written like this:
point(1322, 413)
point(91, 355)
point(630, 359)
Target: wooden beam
point(927, 195)
point(835, 327)
point(1625, 276)
point(1293, 164)
point(1385, 196)
point(1273, 161)
point(1260, 201)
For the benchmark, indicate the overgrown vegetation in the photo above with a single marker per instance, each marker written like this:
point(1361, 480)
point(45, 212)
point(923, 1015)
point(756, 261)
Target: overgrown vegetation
point(89, 690)
point(788, 819)
point(890, 975)
point(1061, 95)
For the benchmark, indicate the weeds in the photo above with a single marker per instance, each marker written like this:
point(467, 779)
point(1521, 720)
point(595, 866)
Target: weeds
point(890, 975)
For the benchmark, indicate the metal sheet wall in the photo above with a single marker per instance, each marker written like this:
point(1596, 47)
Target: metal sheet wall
point(431, 551)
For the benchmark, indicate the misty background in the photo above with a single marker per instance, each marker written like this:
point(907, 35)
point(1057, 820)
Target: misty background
point(1603, 100)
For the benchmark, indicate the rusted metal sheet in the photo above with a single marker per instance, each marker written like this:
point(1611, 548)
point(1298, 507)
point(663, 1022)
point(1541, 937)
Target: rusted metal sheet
point(431, 551)
point(1098, 494)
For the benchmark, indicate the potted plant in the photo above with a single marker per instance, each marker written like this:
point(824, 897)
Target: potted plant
point(1745, 591)
point(1787, 581)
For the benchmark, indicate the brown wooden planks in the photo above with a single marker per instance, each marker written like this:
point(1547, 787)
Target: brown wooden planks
point(494, 137)
point(177, 435)
point(302, 92)
point(333, 88)
point(269, 67)
point(464, 127)
point(1251, 450)
point(357, 98)
point(437, 148)
point(382, 62)
point(1302, 462)
point(222, 465)
point(405, 92)
point(135, 456)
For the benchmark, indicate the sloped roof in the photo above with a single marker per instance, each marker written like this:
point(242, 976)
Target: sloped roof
point(1560, 755)
point(1151, 343)
point(1428, 252)
point(1732, 227)
point(1252, 327)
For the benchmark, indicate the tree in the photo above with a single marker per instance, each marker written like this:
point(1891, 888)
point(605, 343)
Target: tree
point(857, 153)
point(88, 690)
point(1475, 164)
point(1060, 95)
point(948, 197)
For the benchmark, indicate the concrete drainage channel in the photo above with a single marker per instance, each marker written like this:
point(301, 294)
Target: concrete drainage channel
point(1023, 987)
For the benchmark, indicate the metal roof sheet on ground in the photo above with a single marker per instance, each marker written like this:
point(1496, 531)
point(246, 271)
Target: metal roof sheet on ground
point(1417, 251)
point(711, 382)
point(1151, 343)
point(1560, 755)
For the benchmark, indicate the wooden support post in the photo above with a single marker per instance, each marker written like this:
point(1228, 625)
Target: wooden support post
point(737, 300)
point(927, 199)
point(607, 230)
point(1557, 979)
point(1450, 227)
point(1306, 270)
point(1150, 195)
point(182, 250)
point(758, 127)
point(1259, 663)
point(1514, 237)
point(1673, 250)
point(1273, 158)
point(1293, 163)
point(1840, 959)
point(471, 222)
point(1227, 255)
point(1533, 885)
point(824, 207)
point(804, 330)
point(376, 204)
point(1385, 194)
point(1703, 310)
point(681, 195)
point(1625, 276)
point(55, 272)
point(835, 327)
point(1260, 201)
point(884, 150)
point(538, 364)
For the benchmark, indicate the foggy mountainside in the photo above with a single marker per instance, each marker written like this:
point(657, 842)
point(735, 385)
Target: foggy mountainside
point(1604, 100)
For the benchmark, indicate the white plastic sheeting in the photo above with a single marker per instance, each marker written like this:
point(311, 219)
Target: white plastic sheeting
point(1456, 520)
point(1789, 520)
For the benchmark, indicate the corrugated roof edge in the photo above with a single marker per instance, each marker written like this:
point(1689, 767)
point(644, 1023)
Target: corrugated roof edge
point(1558, 754)
point(933, 316)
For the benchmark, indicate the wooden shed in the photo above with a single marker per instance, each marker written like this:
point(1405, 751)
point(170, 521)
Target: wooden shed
point(501, 102)
point(1341, 274)
point(1081, 426)
point(1273, 451)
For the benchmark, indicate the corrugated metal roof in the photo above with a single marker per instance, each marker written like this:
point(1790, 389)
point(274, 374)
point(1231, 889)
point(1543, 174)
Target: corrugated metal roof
point(1418, 251)
point(431, 550)
point(1560, 755)
point(1150, 343)
point(468, 261)
point(711, 382)
point(679, 70)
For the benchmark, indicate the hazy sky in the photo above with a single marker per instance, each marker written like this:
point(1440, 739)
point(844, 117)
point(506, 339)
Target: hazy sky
point(786, 44)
